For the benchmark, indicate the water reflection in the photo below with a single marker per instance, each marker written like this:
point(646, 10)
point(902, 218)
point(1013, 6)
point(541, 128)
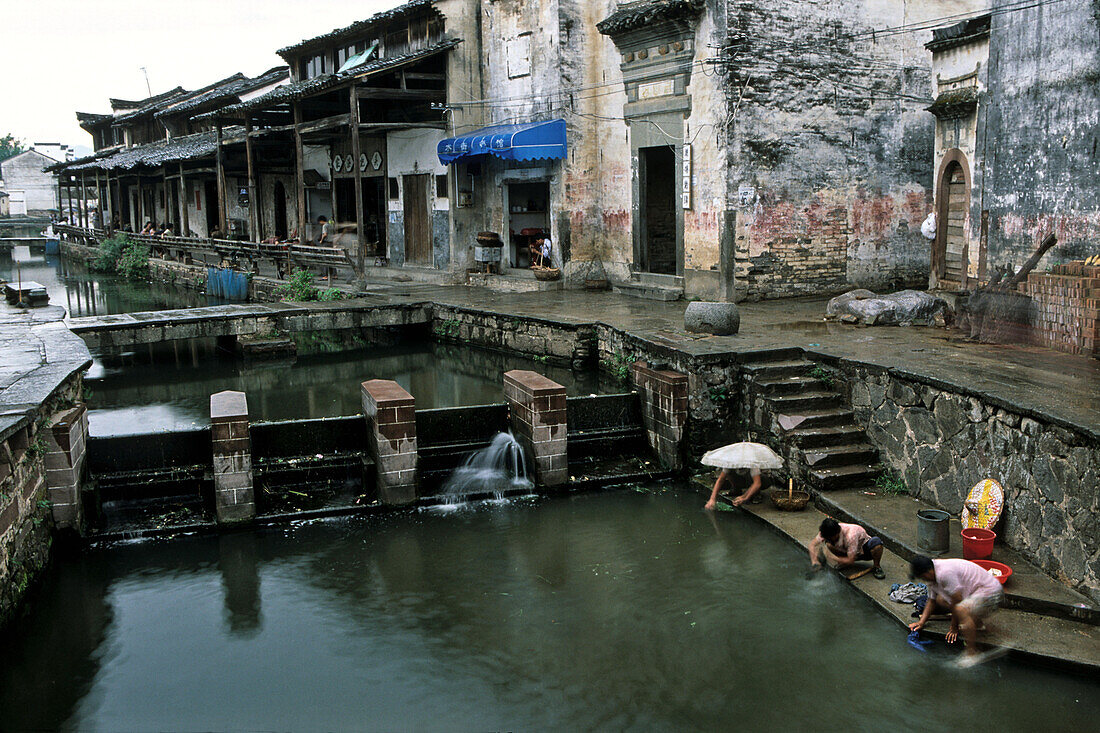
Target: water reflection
point(238, 561)
point(72, 285)
point(607, 611)
point(168, 386)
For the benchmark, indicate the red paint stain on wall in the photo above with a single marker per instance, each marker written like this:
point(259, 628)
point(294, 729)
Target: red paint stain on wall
point(616, 220)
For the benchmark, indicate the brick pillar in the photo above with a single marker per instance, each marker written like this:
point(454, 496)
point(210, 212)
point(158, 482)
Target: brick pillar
point(66, 448)
point(233, 495)
point(664, 397)
point(538, 422)
point(391, 439)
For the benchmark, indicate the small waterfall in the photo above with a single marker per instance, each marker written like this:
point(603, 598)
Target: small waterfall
point(493, 470)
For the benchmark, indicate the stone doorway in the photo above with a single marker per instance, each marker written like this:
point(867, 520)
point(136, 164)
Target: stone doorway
point(657, 171)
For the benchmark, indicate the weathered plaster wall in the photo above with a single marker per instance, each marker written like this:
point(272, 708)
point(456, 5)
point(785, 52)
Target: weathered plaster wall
point(831, 150)
point(24, 173)
point(413, 152)
point(1043, 122)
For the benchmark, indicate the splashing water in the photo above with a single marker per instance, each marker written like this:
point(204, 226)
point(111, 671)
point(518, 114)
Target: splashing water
point(493, 470)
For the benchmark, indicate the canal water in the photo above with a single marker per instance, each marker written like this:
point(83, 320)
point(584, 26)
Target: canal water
point(169, 387)
point(614, 611)
point(81, 292)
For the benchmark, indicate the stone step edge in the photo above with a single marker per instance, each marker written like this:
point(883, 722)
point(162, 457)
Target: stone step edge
point(938, 629)
point(829, 505)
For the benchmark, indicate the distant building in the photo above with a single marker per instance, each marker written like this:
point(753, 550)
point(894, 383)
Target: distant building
point(57, 151)
point(32, 191)
point(4, 208)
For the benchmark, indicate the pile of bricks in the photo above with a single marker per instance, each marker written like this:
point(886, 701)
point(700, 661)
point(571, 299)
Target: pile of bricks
point(1066, 308)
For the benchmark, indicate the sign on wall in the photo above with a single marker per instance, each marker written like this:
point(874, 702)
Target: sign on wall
point(686, 189)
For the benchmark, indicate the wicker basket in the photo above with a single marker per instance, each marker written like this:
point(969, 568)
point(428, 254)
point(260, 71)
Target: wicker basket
point(547, 273)
point(790, 501)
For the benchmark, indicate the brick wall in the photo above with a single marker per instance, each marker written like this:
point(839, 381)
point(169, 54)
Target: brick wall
point(390, 412)
point(664, 396)
point(539, 423)
point(1065, 308)
point(234, 498)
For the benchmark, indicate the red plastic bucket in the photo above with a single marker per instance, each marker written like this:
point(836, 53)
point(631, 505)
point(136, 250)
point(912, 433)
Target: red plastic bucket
point(978, 543)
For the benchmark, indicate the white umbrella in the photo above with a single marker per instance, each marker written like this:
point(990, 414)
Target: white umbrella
point(743, 455)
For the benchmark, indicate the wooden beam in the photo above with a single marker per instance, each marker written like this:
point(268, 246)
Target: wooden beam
point(185, 195)
point(432, 95)
point(253, 208)
point(326, 123)
point(299, 159)
point(368, 126)
point(353, 131)
point(423, 76)
point(83, 201)
point(223, 204)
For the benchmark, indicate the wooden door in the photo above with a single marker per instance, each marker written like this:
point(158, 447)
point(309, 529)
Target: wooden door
point(418, 229)
point(958, 203)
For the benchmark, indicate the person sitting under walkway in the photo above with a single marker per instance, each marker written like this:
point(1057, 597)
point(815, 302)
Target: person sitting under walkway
point(959, 587)
point(844, 544)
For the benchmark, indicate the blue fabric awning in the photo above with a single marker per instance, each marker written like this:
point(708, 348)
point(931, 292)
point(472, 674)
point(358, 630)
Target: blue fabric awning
point(529, 141)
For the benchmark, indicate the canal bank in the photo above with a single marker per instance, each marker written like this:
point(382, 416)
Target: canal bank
point(728, 396)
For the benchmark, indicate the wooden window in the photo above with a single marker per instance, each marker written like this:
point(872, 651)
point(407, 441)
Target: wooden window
point(435, 30)
point(395, 191)
point(198, 200)
point(397, 43)
point(441, 186)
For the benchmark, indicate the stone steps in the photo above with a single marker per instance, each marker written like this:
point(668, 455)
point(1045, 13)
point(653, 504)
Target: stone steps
point(840, 455)
point(844, 477)
point(649, 291)
point(834, 449)
point(787, 385)
point(815, 399)
point(818, 437)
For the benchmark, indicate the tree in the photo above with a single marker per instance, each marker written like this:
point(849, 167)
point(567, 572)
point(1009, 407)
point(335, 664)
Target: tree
point(10, 146)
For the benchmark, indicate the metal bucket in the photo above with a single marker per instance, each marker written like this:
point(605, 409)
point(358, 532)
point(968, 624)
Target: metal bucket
point(933, 533)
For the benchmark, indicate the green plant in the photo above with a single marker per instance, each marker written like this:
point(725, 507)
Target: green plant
point(618, 365)
point(299, 286)
point(541, 358)
point(891, 483)
point(134, 261)
point(330, 294)
point(110, 250)
point(823, 375)
point(719, 395)
point(449, 328)
point(44, 504)
point(37, 448)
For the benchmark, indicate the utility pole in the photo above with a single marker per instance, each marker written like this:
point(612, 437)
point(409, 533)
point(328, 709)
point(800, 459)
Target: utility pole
point(148, 88)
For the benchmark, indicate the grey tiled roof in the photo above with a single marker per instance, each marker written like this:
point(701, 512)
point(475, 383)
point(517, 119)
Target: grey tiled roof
point(226, 91)
point(637, 14)
point(189, 147)
point(959, 33)
point(361, 25)
point(300, 89)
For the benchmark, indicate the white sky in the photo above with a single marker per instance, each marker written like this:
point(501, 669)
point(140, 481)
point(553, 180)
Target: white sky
point(64, 56)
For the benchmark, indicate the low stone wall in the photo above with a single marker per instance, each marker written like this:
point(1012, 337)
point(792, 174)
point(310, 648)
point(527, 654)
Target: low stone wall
point(714, 387)
point(26, 513)
point(550, 341)
point(942, 440)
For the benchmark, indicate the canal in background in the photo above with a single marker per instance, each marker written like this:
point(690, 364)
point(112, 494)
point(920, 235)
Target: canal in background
point(609, 611)
point(79, 291)
point(168, 387)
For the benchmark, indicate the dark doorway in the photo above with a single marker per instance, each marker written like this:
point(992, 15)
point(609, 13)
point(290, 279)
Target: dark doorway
point(280, 212)
point(418, 230)
point(344, 196)
point(374, 214)
point(657, 170)
point(210, 189)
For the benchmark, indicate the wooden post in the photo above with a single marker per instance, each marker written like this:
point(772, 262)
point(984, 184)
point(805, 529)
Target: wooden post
point(83, 202)
point(101, 219)
point(60, 207)
point(355, 153)
point(253, 207)
point(223, 208)
point(299, 159)
point(185, 201)
point(69, 196)
point(167, 196)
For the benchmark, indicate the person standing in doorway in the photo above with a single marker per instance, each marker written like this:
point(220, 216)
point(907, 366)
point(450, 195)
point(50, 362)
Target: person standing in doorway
point(326, 234)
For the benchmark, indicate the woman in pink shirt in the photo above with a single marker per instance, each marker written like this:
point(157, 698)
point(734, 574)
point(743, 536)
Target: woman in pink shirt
point(959, 587)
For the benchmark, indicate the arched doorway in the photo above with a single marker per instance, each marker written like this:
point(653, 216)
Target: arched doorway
point(280, 211)
point(949, 257)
